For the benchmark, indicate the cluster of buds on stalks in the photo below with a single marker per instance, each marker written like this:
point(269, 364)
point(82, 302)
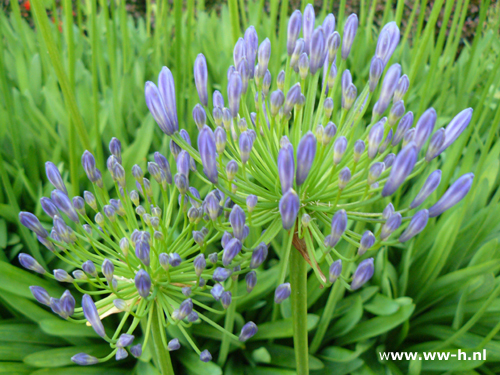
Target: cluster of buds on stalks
point(305, 155)
point(151, 253)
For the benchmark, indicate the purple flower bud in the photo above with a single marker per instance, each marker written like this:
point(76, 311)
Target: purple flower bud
point(350, 29)
point(428, 188)
point(259, 255)
point(266, 84)
point(249, 330)
point(276, 101)
point(282, 292)
point(107, 269)
point(303, 66)
point(359, 148)
point(198, 237)
point(363, 273)
point(166, 87)
point(232, 249)
point(124, 340)
point(309, 19)
point(205, 356)
point(181, 182)
point(375, 138)
point(375, 171)
point(424, 127)
point(64, 204)
point(306, 152)
point(339, 226)
point(402, 88)
point(221, 274)
point(453, 195)
point(239, 51)
point(401, 169)
point(217, 291)
point(263, 56)
point(40, 295)
point(389, 160)
point(294, 27)
point(251, 43)
point(348, 97)
point(332, 46)
point(220, 140)
point(397, 111)
point(121, 354)
point(403, 126)
point(317, 50)
point(391, 224)
point(120, 304)
point(387, 42)
point(389, 85)
point(207, 149)
point(292, 97)
point(174, 345)
point(157, 109)
point(143, 283)
point(115, 147)
point(218, 99)
point(289, 208)
point(89, 268)
point(55, 177)
point(199, 116)
point(28, 262)
point(49, 207)
point(92, 316)
point(251, 280)
point(328, 107)
point(164, 165)
point(185, 308)
point(246, 144)
point(62, 276)
point(200, 78)
point(344, 177)
point(88, 163)
point(297, 51)
point(226, 299)
point(367, 241)
point(388, 211)
point(332, 75)
point(408, 137)
point(456, 127)
point(335, 270)
point(109, 211)
point(237, 220)
point(175, 259)
point(79, 205)
point(31, 222)
point(376, 70)
point(136, 350)
point(339, 148)
point(417, 225)
point(435, 145)
point(84, 359)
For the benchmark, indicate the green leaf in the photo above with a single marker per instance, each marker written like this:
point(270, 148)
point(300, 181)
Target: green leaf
point(282, 328)
point(377, 326)
point(268, 371)
point(62, 328)
point(283, 356)
point(348, 321)
point(62, 356)
point(79, 370)
point(382, 305)
point(14, 368)
point(26, 333)
point(15, 351)
point(191, 361)
point(25, 307)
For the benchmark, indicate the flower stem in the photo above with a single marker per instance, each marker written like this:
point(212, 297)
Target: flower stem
point(228, 325)
point(298, 283)
point(161, 353)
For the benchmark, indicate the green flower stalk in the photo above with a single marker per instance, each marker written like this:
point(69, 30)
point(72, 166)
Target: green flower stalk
point(142, 255)
point(313, 144)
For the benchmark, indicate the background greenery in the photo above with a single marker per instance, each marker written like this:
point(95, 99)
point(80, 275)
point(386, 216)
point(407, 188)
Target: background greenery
point(440, 293)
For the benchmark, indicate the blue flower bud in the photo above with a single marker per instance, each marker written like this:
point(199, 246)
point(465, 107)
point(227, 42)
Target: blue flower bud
point(220, 140)
point(339, 148)
point(157, 108)
point(121, 354)
point(205, 356)
point(293, 32)
point(108, 269)
point(289, 208)
point(282, 292)
point(303, 66)
point(308, 23)
point(221, 274)
point(84, 359)
point(181, 182)
point(62, 276)
point(164, 259)
point(226, 237)
point(417, 225)
point(292, 97)
point(335, 270)
point(232, 249)
point(404, 125)
point(218, 99)
point(367, 241)
point(402, 167)
point(226, 299)
point(49, 207)
point(92, 316)
point(251, 280)
point(389, 85)
point(435, 145)
point(143, 283)
point(389, 160)
point(402, 88)
point(245, 144)
point(424, 127)
point(286, 167)
point(332, 46)
point(136, 350)
point(263, 56)
point(391, 224)
point(456, 127)
point(174, 345)
point(31, 222)
point(120, 304)
point(388, 40)
point(239, 51)
point(251, 202)
point(251, 44)
point(344, 177)
point(317, 50)
point(297, 51)
point(124, 340)
point(428, 188)
point(363, 273)
point(237, 220)
point(192, 317)
point(339, 226)
point(166, 87)
point(306, 151)
point(376, 70)
point(175, 259)
point(55, 177)
point(328, 107)
point(375, 137)
point(332, 75)
point(207, 149)
point(88, 163)
point(455, 193)
point(40, 294)
point(217, 291)
point(375, 171)
point(396, 112)
point(408, 137)
point(200, 78)
point(28, 262)
point(199, 264)
point(109, 211)
point(350, 29)
point(247, 331)
point(64, 204)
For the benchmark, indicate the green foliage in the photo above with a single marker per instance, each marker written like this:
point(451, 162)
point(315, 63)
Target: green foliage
point(439, 293)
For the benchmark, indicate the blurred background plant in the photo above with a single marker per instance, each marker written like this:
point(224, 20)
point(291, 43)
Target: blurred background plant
point(440, 293)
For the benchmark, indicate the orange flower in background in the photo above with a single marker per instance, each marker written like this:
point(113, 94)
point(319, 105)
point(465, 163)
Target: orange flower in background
point(27, 5)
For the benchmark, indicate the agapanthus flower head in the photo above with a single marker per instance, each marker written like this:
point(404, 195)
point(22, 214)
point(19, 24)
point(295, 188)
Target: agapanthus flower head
point(131, 260)
point(319, 149)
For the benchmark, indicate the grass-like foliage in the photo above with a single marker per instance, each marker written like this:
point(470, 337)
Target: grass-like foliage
point(76, 80)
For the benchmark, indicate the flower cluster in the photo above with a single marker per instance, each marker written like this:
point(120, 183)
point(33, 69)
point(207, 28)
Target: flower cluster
point(144, 254)
point(305, 155)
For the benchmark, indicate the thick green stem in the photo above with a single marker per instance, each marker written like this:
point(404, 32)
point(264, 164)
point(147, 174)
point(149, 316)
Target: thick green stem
point(228, 324)
point(298, 283)
point(161, 353)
